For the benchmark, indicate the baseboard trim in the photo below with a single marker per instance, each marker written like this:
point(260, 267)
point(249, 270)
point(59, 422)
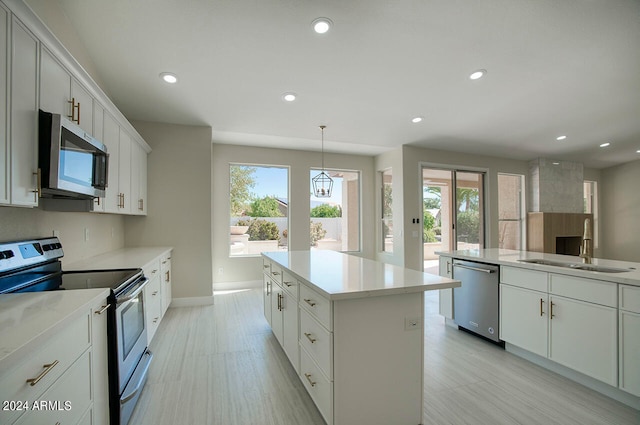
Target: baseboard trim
point(589, 382)
point(234, 286)
point(191, 301)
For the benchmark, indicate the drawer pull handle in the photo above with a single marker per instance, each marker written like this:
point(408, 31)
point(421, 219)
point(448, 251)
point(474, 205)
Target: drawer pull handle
point(266, 266)
point(275, 273)
point(313, 340)
point(541, 303)
point(103, 309)
point(155, 320)
point(155, 293)
point(154, 271)
point(311, 303)
point(47, 369)
point(308, 376)
point(167, 276)
point(288, 284)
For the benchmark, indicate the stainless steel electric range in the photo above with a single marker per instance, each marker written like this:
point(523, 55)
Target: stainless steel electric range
point(34, 266)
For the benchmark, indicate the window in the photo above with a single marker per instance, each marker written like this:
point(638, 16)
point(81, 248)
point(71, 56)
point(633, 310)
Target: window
point(259, 216)
point(511, 211)
point(387, 210)
point(335, 221)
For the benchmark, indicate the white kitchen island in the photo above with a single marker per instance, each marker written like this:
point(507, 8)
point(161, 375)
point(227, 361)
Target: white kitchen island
point(353, 330)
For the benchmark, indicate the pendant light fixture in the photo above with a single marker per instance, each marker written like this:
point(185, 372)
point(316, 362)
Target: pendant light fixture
point(322, 183)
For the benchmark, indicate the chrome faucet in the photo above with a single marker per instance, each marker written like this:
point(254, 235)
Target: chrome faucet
point(586, 248)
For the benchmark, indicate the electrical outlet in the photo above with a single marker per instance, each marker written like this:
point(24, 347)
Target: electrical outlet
point(411, 323)
point(86, 234)
point(220, 271)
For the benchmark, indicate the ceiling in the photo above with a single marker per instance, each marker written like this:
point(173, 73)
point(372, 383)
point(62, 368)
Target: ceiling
point(569, 67)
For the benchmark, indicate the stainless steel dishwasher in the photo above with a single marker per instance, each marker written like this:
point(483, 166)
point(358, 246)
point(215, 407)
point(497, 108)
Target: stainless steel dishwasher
point(476, 302)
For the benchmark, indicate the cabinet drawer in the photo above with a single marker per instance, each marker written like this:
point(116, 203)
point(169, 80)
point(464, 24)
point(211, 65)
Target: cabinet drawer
point(266, 266)
point(290, 284)
point(153, 306)
point(317, 341)
point(317, 385)
point(317, 305)
point(152, 269)
point(630, 298)
point(589, 290)
point(67, 399)
point(64, 348)
point(276, 273)
point(524, 278)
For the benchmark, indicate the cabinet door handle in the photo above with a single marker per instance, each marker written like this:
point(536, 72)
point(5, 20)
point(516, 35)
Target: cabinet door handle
point(103, 309)
point(288, 284)
point(268, 288)
point(541, 303)
point(167, 277)
point(311, 303)
point(448, 267)
point(74, 107)
point(155, 293)
point(279, 302)
point(551, 315)
point(308, 376)
point(141, 204)
point(37, 192)
point(47, 369)
point(312, 340)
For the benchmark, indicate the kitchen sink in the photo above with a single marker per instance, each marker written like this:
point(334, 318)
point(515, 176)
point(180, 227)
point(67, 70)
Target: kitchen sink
point(577, 266)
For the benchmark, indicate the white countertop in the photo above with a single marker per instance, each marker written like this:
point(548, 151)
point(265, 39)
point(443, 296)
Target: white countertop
point(121, 258)
point(29, 319)
point(342, 276)
point(511, 258)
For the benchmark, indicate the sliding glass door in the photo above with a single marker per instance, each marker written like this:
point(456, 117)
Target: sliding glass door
point(453, 212)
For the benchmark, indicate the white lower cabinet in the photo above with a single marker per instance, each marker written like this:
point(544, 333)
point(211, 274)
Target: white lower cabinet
point(65, 380)
point(629, 339)
point(570, 320)
point(152, 306)
point(523, 318)
point(281, 311)
point(583, 336)
point(165, 273)
point(354, 354)
point(446, 295)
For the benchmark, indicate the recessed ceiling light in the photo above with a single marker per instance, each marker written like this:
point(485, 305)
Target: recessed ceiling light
point(322, 25)
point(604, 145)
point(416, 120)
point(561, 137)
point(478, 74)
point(638, 151)
point(168, 77)
point(289, 97)
point(555, 163)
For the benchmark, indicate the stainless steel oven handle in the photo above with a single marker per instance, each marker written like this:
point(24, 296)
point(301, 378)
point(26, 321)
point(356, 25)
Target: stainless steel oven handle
point(143, 376)
point(475, 269)
point(135, 293)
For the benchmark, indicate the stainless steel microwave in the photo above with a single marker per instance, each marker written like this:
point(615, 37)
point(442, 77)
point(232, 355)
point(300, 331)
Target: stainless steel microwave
point(72, 163)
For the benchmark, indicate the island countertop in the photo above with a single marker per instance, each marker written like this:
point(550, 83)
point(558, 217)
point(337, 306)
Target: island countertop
point(342, 276)
point(508, 257)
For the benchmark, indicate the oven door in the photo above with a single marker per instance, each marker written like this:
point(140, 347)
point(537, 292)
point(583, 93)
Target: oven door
point(131, 331)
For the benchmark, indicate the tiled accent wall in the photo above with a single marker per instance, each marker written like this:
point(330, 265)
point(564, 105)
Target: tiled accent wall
point(556, 186)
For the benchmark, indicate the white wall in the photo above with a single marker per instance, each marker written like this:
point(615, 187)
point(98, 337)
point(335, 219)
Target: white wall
point(299, 163)
point(621, 212)
point(179, 199)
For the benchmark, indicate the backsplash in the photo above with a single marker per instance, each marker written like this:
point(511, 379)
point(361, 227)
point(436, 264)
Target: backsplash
point(104, 232)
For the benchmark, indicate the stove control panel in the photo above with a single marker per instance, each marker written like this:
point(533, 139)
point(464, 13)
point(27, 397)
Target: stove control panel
point(15, 255)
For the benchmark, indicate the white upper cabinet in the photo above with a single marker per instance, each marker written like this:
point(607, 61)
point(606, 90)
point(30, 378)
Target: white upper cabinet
point(37, 72)
point(23, 116)
point(111, 139)
point(4, 104)
point(138, 179)
point(62, 94)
